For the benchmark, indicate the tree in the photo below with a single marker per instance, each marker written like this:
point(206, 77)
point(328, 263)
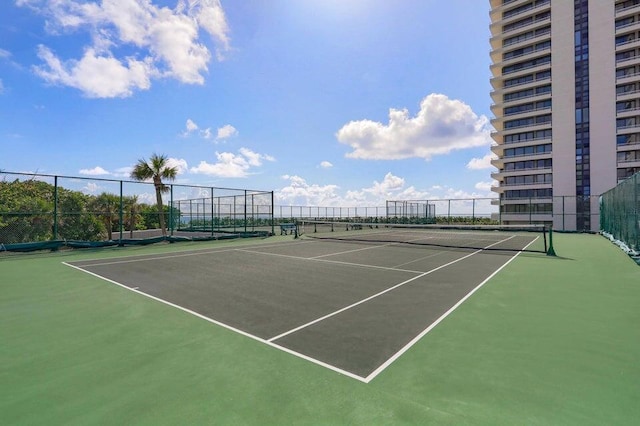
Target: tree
point(156, 169)
point(75, 221)
point(107, 208)
point(131, 213)
point(26, 211)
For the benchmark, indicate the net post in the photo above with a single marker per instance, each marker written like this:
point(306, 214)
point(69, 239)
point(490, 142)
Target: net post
point(550, 250)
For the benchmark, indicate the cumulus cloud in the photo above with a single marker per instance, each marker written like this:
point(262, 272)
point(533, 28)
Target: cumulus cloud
point(222, 133)
point(190, 128)
point(481, 163)
point(486, 186)
point(300, 192)
point(441, 126)
point(96, 171)
point(191, 125)
point(226, 132)
point(161, 42)
point(91, 188)
point(180, 164)
point(97, 76)
point(123, 172)
point(230, 165)
point(206, 133)
point(326, 165)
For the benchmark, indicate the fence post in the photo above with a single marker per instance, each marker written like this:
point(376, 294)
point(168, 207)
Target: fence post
point(121, 215)
point(55, 207)
point(171, 210)
point(473, 211)
point(245, 211)
point(273, 232)
point(636, 185)
point(564, 213)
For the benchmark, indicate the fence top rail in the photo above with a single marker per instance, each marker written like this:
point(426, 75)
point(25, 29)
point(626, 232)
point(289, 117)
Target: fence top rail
point(6, 172)
point(433, 200)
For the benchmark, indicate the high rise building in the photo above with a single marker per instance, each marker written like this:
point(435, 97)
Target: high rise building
point(566, 101)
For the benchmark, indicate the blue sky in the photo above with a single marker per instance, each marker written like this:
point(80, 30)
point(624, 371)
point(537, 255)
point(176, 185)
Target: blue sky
point(326, 102)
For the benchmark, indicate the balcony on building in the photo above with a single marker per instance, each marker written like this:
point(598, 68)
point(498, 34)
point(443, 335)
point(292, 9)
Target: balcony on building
point(627, 9)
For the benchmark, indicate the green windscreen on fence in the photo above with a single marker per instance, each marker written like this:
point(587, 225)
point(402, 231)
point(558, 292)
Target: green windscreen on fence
point(47, 212)
point(620, 214)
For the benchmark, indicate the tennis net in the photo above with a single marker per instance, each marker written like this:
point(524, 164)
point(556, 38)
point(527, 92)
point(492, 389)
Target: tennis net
point(530, 238)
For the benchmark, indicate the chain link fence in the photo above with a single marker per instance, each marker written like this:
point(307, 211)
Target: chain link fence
point(90, 212)
point(620, 214)
point(564, 213)
point(85, 211)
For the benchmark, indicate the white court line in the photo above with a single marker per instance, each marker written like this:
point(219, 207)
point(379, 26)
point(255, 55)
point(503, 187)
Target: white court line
point(397, 355)
point(337, 262)
point(367, 248)
point(439, 253)
point(349, 251)
point(127, 259)
point(223, 325)
point(310, 323)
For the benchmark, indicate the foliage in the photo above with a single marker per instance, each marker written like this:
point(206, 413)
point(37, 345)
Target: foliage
point(25, 211)
point(107, 208)
point(75, 221)
point(27, 214)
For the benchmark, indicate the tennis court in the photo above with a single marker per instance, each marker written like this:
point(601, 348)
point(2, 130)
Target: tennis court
point(547, 340)
point(350, 301)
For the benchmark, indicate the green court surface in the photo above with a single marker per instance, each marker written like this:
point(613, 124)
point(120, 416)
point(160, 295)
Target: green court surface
point(546, 340)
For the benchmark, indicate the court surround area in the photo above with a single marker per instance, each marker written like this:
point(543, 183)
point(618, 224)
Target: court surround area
point(546, 340)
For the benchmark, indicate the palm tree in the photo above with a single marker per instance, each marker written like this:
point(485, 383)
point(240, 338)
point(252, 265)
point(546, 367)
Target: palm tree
point(107, 210)
point(156, 169)
point(132, 213)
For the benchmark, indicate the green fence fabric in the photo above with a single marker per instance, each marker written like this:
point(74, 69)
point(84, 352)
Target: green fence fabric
point(48, 212)
point(620, 214)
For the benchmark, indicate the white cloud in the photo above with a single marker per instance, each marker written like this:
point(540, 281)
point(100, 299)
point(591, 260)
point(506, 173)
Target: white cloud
point(223, 132)
point(206, 133)
point(97, 76)
point(190, 127)
point(4, 53)
point(91, 188)
point(389, 184)
point(226, 132)
point(299, 192)
point(486, 186)
point(180, 164)
point(326, 165)
point(481, 163)
point(123, 172)
point(96, 171)
point(441, 126)
point(230, 165)
point(1, 87)
point(165, 43)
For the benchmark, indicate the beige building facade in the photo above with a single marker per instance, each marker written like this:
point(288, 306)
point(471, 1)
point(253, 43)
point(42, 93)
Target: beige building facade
point(566, 102)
